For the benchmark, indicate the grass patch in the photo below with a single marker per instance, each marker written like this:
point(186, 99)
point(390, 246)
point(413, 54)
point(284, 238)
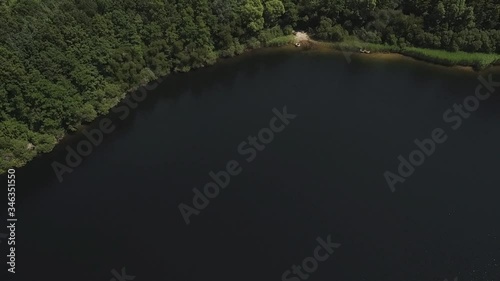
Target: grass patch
point(476, 60)
point(281, 41)
point(353, 45)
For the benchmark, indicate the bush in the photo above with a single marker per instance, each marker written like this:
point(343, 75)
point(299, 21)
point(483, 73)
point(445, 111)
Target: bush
point(288, 30)
point(281, 41)
point(269, 34)
point(328, 31)
point(253, 43)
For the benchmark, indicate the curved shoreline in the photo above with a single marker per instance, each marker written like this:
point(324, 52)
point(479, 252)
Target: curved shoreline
point(310, 45)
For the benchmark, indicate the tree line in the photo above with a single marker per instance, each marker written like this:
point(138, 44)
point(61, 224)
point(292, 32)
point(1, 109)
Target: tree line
point(65, 62)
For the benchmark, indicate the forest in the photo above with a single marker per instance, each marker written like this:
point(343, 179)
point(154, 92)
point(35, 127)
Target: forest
point(65, 62)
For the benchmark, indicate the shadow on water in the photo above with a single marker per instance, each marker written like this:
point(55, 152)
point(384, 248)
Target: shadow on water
point(169, 89)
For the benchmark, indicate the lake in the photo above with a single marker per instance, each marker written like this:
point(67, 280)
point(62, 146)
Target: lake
point(321, 175)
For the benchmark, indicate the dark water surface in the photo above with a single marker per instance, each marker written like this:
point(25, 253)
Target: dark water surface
point(323, 175)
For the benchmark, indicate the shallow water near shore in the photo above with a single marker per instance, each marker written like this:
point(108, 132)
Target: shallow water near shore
point(322, 175)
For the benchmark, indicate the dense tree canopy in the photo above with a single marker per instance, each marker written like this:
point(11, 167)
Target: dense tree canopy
point(64, 62)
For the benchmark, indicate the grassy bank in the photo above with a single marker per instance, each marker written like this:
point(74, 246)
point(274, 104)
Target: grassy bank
point(477, 61)
point(281, 41)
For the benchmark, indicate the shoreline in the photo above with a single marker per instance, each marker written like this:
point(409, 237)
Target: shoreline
point(399, 56)
point(416, 54)
point(286, 43)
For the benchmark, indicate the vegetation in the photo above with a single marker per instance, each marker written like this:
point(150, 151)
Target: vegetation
point(354, 44)
point(476, 60)
point(281, 41)
point(65, 62)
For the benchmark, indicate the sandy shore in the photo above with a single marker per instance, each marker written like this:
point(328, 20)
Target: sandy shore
point(301, 37)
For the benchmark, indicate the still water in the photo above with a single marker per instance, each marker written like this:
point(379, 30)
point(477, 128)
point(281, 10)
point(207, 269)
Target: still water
point(322, 175)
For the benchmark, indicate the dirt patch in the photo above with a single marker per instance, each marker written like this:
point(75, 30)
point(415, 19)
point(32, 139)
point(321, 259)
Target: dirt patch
point(303, 40)
point(301, 37)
